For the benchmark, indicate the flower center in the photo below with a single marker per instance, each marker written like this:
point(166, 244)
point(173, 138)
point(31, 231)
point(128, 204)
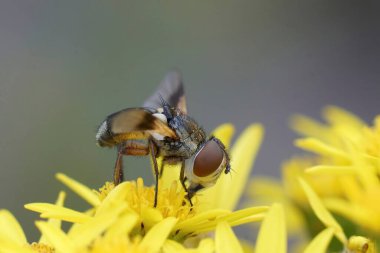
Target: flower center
point(172, 201)
point(42, 248)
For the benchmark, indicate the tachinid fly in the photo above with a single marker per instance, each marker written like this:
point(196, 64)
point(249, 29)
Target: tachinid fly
point(162, 128)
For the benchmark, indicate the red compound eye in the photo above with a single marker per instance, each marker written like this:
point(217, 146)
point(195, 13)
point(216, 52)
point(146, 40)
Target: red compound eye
point(208, 159)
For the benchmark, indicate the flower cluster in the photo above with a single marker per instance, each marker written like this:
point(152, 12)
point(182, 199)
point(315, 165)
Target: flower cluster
point(341, 175)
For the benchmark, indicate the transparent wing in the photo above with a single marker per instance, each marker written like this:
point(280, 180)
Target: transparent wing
point(171, 90)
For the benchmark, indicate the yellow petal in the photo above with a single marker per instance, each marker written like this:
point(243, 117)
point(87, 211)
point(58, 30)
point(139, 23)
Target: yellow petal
point(309, 127)
point(263, 190)
point(55, 222)
point(156, 236)
point(86, 193)
point(57, 238)
point(151, 216)
point(52, 211)
point(114, 197)
point(225, 239)
point(207, 221)
point(9, 246)
point(338, 116)
point(321, 148)
point(10, 228)
point(88, 231)
point(124, 225)
point(320, 243)
point(331, 170)
point(243, 216)
point(224, 133)
point(272, 234)
point(171, 246)
point(231, 220)
point(351, 188)
point(201, 218)
point(356, 212)
point(321, 212)
point(206, 246)
point(243, 155)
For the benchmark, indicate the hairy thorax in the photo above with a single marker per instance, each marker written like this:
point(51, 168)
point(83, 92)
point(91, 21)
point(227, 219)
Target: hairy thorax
point(190, 136)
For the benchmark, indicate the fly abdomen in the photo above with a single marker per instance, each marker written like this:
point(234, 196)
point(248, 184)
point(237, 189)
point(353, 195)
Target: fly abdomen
point(135, 147)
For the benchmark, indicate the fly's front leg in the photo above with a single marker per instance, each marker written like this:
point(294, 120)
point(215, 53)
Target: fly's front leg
point(182, 180)
point(153, 152)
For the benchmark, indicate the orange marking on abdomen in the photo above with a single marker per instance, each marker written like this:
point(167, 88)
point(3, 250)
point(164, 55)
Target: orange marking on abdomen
point(136, 147)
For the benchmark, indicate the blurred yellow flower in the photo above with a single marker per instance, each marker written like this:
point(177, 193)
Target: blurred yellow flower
point(351, 157)
point(343, 169)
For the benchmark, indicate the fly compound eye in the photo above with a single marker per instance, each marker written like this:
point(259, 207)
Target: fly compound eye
point(208, 160)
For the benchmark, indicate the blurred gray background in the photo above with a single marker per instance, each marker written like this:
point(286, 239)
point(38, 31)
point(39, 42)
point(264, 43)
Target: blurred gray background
point(65, 65)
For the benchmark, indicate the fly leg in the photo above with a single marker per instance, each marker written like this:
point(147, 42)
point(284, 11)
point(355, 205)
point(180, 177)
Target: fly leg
point(129, 147)
point(153, 152)
point(118, 175)
point(182, 179)
point(162, 166)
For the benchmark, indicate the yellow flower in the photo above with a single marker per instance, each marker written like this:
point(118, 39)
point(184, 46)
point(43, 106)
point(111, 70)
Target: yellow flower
point(350, 154)
point(114, 207)
point(110, 233)
point(134, 198)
